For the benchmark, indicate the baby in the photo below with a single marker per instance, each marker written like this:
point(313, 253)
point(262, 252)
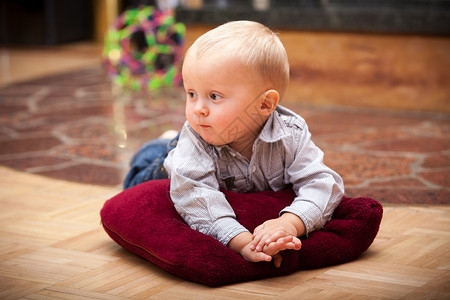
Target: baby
point(238, 138)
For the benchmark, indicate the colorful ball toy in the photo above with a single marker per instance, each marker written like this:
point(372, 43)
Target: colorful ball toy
point(144, 48)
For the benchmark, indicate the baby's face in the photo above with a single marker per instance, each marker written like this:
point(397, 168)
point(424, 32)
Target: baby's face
point(223, 101)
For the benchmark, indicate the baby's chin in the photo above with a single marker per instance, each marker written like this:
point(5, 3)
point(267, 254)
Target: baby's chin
point(209, 136)
point(212, 140)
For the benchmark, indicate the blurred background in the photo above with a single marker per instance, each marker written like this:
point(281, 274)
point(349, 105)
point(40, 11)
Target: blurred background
point(371, 77)
point(386, 45)
point(53, 22)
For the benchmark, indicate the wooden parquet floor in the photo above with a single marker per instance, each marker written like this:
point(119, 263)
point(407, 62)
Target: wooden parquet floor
point(52, 246)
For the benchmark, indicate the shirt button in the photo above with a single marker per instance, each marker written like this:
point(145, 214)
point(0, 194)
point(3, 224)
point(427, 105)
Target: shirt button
point(254, 169)
point(193, 227)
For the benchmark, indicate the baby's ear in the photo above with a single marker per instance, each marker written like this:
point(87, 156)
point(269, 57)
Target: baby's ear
point(270, 102)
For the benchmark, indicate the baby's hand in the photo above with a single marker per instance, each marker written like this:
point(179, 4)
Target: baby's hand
point(241, 244)
point(286, 243)
point(255, 256)
point(274, 230)
point(271, 251)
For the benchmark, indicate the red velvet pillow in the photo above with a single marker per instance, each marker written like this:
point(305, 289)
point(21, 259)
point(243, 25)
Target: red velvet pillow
point(144, 221)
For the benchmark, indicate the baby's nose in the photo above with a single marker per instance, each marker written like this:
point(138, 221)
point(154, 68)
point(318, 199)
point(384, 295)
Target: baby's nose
point(201, 108)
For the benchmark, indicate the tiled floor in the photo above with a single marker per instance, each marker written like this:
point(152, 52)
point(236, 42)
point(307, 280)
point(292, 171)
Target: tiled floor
point(72, 126)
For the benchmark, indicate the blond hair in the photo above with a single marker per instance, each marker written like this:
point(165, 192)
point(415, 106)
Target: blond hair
point(258, 48)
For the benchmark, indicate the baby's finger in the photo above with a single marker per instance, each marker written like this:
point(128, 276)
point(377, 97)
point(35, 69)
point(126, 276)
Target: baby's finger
point(287, 243)
point(279, 245)
point(257, 235)
point(256, 240)
point(271, 249)
point(297, 242)
point(261, 242)
point(257, 229)
point(271, 237)
point(275, 236)
point(277, 260)
point(261, 256)
point(289, 246)
point(292, 244)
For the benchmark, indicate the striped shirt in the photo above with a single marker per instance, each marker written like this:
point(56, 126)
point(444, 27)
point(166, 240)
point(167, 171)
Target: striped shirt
point(283, 155)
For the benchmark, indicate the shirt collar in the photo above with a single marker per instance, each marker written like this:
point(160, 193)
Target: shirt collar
point(275, 129)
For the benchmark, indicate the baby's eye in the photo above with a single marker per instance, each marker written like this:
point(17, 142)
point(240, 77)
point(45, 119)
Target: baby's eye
point(192, 95)
point(215, 96)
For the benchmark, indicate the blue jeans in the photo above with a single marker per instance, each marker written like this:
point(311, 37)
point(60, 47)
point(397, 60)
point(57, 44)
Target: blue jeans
point(148, 163)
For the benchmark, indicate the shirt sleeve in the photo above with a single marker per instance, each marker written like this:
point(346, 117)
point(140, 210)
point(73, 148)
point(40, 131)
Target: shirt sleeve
point(194, 189)
point(318, 188)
